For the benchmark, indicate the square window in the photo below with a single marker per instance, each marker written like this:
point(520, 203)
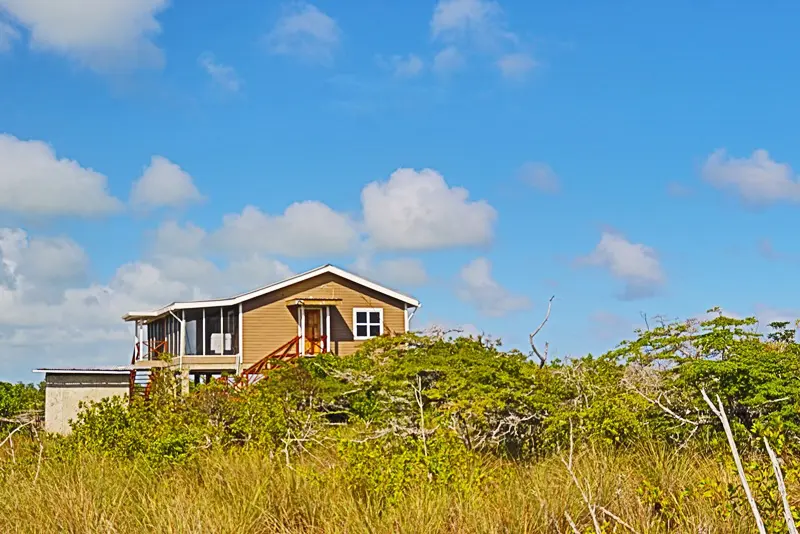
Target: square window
point(367, 322)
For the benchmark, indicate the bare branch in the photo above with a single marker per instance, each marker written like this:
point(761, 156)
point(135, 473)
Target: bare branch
point(719, 411)
point(658, 403)
point(571, 523)
point(542, 357)
point(787, 510)
point(617, 519)
point(418, 397)
point(586, 497)
point(646, 322)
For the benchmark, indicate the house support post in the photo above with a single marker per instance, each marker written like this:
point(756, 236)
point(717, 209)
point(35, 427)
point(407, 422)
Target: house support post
point(327, 328)
point(301, 310)
point(184, 379)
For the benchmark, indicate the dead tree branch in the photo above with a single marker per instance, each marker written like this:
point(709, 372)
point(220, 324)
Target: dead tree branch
point(542, 357)
point(787, 510)
point(719, 411)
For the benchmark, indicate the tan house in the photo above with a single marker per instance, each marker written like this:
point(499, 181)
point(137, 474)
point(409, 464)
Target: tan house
point(326, 309)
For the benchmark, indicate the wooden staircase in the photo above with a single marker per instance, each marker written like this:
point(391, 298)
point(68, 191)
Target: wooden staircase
point(285, 353)
point(140, 383)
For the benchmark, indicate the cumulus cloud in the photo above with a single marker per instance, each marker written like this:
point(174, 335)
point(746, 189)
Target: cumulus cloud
point(478, 26)
point(448, 60)
point(757, 180)
point(306, 32)
point(47, 309)
point(257, 271)
point(305, 229)
point(399, 272)
point(34, 181)
point(635, 264)
point(516, 66)
point(480, 20)
point(409, 66)
point(222, 75)
point(164, 184)
point(767, 314)
point(42, 263)
point(101, 34)
point(174, 239)
point(476, 286)
point(417, 210)
point(540, 176)
point(8, 34)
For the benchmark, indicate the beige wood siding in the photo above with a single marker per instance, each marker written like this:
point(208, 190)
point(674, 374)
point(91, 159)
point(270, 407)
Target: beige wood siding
point(268, 322)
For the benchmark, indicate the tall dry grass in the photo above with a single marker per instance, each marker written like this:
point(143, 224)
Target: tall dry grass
point(250, 492)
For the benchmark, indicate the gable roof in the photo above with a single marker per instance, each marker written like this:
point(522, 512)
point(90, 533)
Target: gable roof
point(238, 299)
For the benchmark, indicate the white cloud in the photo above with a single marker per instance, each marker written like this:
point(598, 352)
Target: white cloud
point(164, 184)
point(102, 34)
point(8, 34)
point(540, 176)
point(769, 314)
point(399, 272)
point(464, 19)
point(418, 211)
point(516, 66)
point(305, 31)
point(46, 263)
point(47, 310)
point(477, 287)
point(305, 229)
point(477, 26)
point(223, 75)
point(637, 265)
point(757, 179)
point(173, 239)
point(33, 181)
point(257, 271)
point(447, 61)
point(409, 66)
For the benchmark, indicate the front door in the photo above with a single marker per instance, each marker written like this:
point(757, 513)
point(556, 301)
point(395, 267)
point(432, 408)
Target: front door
point(313, 332)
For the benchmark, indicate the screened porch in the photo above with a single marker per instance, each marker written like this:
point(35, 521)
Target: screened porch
point(191, 332)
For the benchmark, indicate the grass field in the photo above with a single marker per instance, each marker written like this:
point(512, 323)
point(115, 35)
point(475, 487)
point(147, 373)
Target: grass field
point(647, 489)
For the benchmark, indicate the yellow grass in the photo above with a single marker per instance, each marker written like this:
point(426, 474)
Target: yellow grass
point(250, 492)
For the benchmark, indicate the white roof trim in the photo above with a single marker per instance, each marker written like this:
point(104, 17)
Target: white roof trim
point(275, 287)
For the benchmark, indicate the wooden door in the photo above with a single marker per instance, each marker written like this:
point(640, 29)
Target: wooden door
point(313, 332)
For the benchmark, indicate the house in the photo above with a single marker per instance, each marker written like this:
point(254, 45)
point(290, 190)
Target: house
point(326, 309)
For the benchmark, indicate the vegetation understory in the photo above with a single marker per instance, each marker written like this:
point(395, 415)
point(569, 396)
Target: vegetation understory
point(430, 434)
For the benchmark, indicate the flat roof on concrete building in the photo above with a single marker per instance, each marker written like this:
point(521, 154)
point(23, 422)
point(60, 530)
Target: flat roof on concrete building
point(87, 370)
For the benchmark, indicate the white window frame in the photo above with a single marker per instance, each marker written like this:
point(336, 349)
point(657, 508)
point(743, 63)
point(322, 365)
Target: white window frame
point(368, 311)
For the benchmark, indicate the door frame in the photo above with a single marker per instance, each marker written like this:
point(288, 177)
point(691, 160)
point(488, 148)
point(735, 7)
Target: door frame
point(303, 327)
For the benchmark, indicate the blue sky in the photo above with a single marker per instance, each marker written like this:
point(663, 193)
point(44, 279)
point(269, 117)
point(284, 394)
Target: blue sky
point(479, 155)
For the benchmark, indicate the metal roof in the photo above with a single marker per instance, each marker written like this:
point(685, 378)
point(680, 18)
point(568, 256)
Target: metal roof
point(414, 303)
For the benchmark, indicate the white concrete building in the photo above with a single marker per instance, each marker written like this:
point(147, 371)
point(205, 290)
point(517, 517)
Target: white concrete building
point(66, 389)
